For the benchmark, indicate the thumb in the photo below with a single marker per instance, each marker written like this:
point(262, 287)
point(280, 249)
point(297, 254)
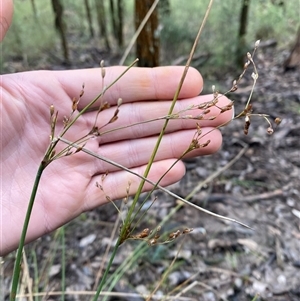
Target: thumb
point(6, 12)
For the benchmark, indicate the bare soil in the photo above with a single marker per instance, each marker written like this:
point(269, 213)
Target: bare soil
point(218, 260)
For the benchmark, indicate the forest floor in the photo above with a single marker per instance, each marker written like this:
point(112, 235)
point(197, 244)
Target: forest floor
point(218, 260)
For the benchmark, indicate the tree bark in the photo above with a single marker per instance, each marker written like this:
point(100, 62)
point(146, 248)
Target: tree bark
point(120, 23)
point(113, 17)
point(89, 17)
point(116, 13)
point(241, 45)
point(147, 44)
point(60, 27)
point(293, 61)
point(101, 18)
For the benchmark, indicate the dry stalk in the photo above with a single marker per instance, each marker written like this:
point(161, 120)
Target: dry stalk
point(166, 273)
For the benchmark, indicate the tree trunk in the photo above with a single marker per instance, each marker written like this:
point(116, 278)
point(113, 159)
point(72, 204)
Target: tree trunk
point(147, 44)
point(60, 27)
point(120, 23)
point(293, 61)
point(34, 8)
point(116, 13)
point(89, 17)
point(241, 46)
point(101, 18)
point(113, 17)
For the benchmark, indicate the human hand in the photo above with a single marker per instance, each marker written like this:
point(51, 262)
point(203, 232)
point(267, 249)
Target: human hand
point(6, 12)
point(68, 185)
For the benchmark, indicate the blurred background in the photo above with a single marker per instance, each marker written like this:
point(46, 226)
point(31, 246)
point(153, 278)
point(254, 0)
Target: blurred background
point(51, 34)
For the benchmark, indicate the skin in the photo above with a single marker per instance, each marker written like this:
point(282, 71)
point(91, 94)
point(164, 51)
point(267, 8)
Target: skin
point(68, 185)
point(6, 13)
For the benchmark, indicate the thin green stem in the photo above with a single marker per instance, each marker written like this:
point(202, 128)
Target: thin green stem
point(17, 267)
point(126, 226)
point(125, 266)
point(103, 280)
point(152, 190)
point(127, 221)
point(128, 218)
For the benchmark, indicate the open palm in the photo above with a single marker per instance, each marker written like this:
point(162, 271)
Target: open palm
point(68, 185)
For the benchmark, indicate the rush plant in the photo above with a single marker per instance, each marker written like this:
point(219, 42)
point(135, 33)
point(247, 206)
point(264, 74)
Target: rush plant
point(60, 146)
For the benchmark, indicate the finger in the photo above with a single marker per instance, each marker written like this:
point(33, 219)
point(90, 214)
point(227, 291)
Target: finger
point(136, 85)
point(131, 122)
point(116, 183)
point(137, 152)
point(6, 13)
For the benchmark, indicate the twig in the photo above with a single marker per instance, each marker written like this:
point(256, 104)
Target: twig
point(188, 280)
point(262, 196)
point(26, 277)
point(109, 294)
point(223, 197)
point(166, 273)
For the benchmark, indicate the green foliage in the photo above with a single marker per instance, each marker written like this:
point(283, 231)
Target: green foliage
point(266, 21)
point(180, 29)
point(31, 39)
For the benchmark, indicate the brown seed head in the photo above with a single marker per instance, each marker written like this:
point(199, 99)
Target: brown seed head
point(98, 185)
point(187, 230)
point(205, 144)
point(66, 120)
point(51, 110)
point(270, 131)
point(174, 235)
point(278, 120)
point(74, 104)
point(247, 124)
point(152, 242)
point(82, 91)
point(143, 234)
point(234, 86)
point(102, 69)
point(246, 65)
